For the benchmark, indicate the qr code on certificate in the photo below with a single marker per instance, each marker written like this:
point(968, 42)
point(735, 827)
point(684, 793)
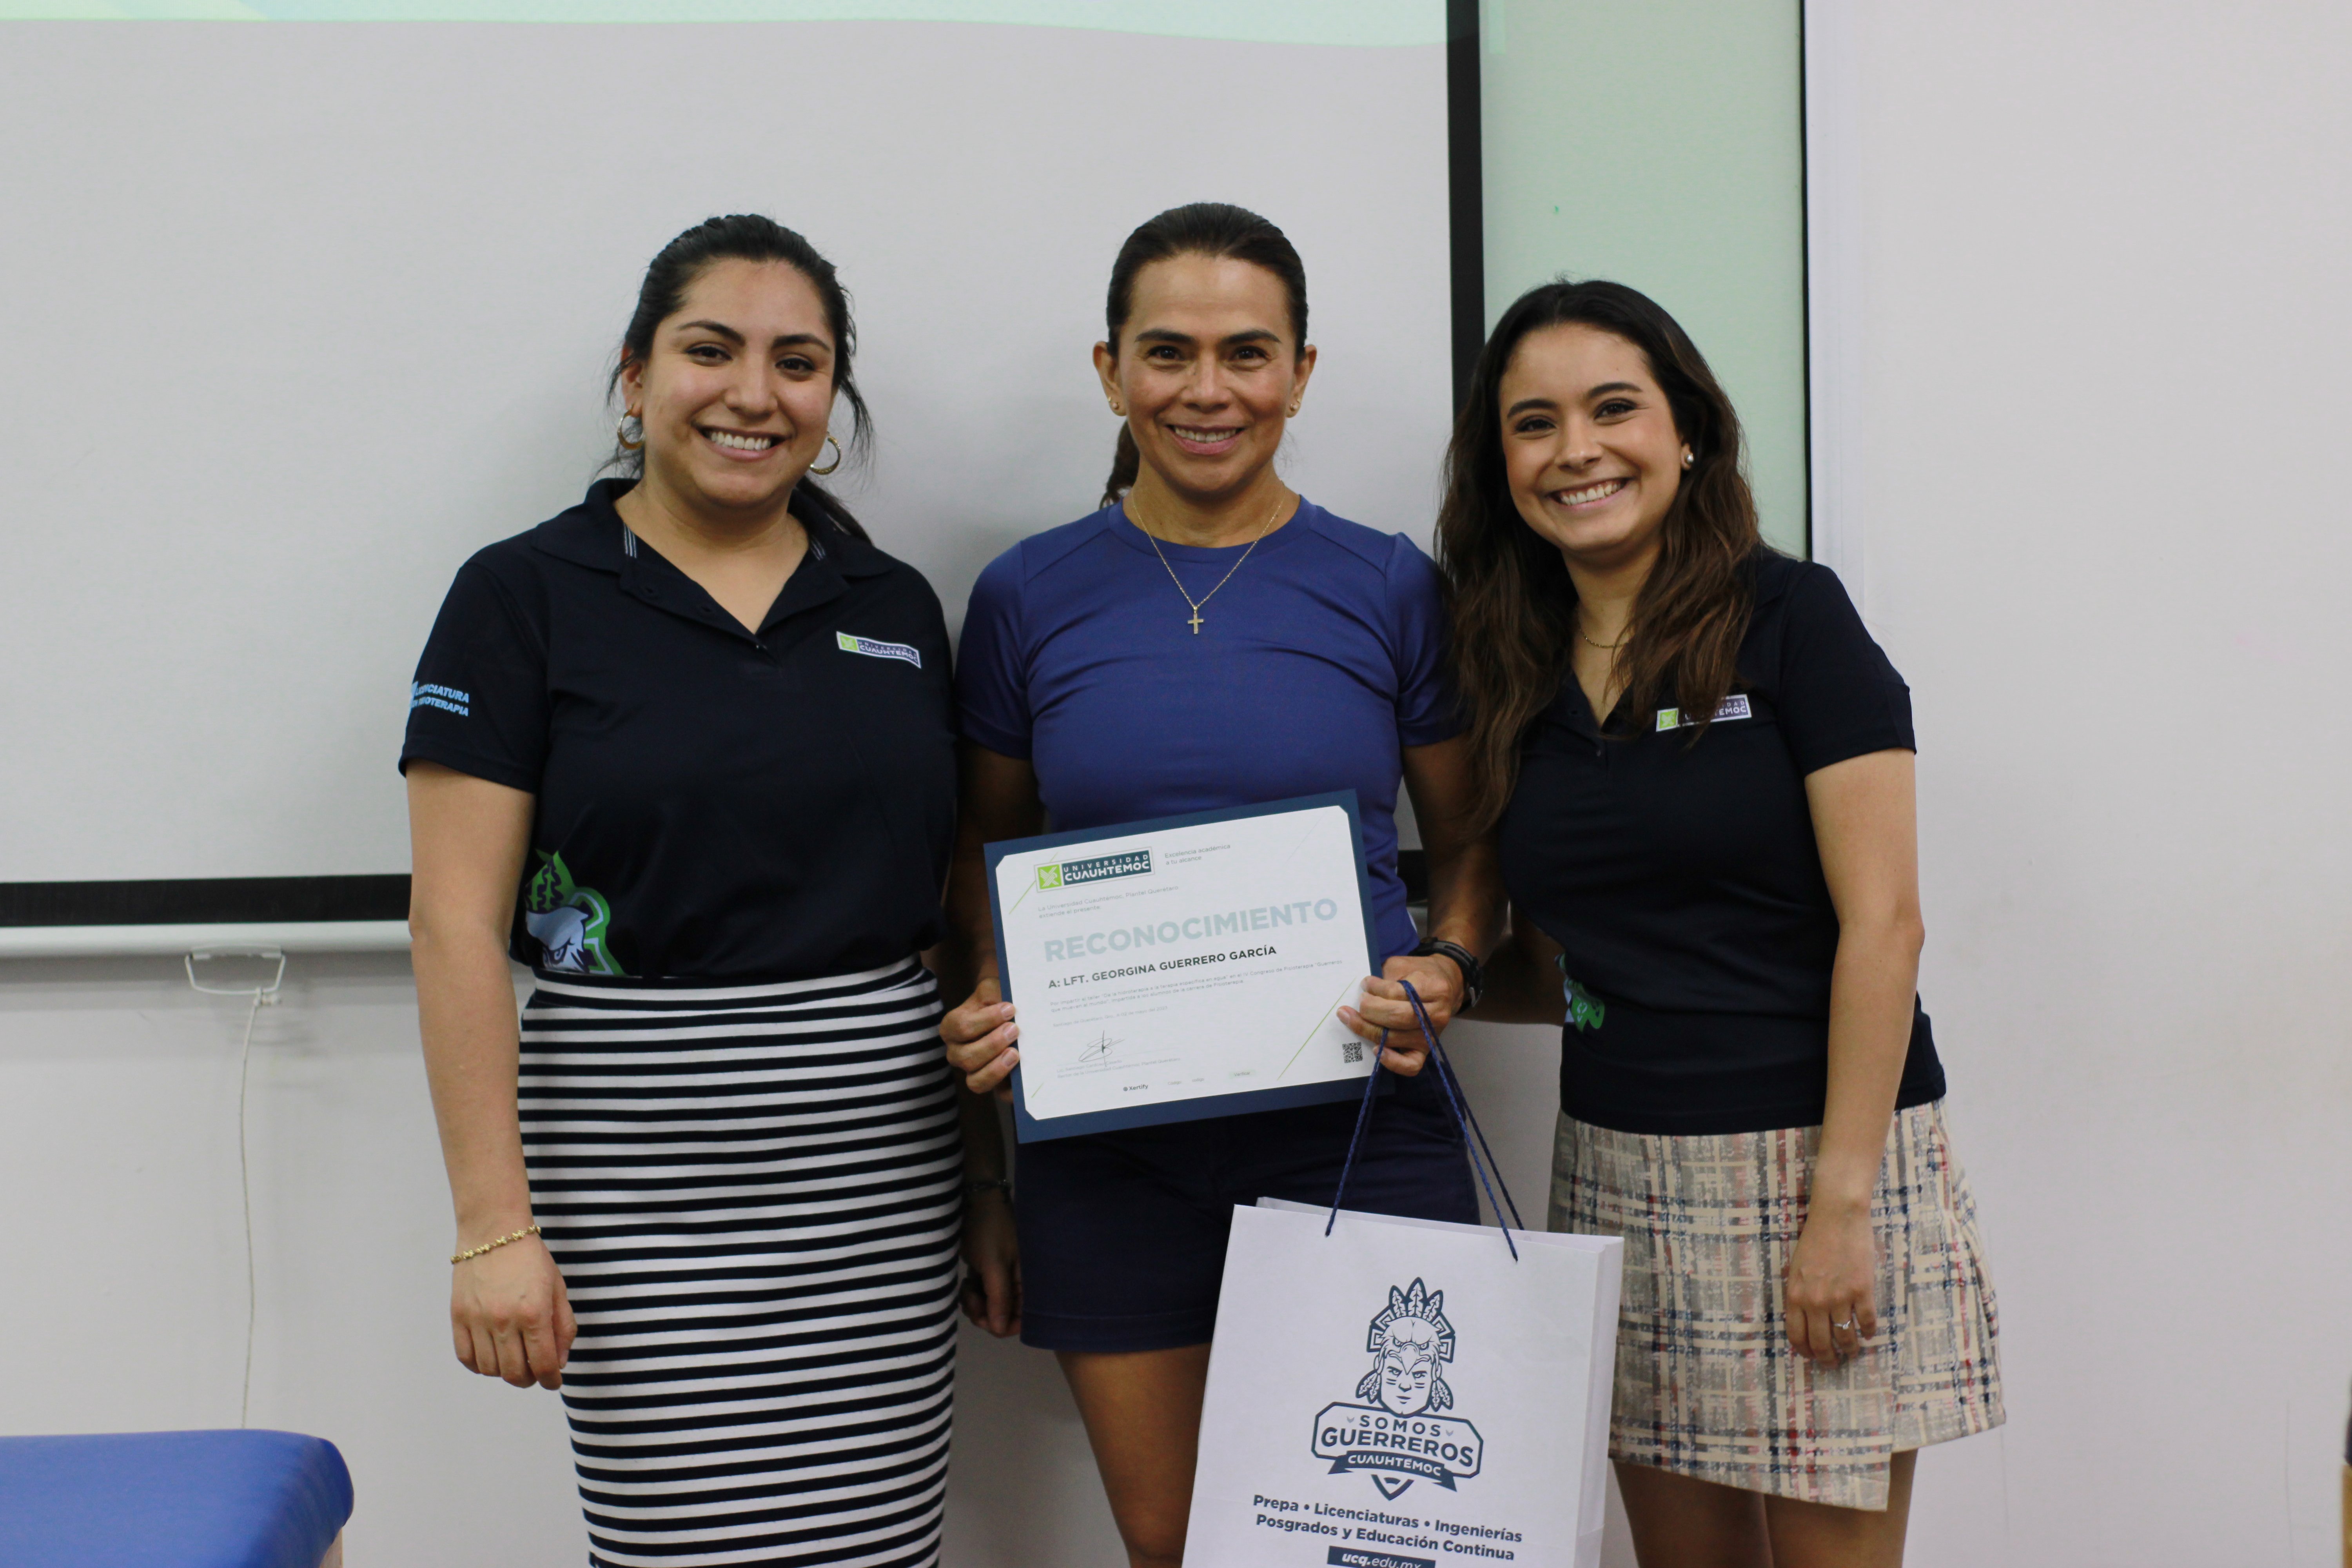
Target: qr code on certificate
point(1351, 1051)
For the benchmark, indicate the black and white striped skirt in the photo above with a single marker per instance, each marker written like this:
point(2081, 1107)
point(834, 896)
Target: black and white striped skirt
point(753, 1192)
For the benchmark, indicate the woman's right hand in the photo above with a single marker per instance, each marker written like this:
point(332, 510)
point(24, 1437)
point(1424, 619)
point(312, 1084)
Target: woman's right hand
point(979, 1037)
point(511, 1316)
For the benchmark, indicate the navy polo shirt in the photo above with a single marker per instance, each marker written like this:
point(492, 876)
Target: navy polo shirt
point(1684, 883)
point(712, 802)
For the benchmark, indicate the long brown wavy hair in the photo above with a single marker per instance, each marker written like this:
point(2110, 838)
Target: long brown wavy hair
point(1507, 588)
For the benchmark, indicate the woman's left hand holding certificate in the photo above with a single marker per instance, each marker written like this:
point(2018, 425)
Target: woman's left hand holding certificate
point(980, 1036)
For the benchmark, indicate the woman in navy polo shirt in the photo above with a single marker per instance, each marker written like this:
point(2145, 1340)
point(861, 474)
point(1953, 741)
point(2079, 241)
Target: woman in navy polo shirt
point(686, 749)
point(1208, 640)
point(1702, 768)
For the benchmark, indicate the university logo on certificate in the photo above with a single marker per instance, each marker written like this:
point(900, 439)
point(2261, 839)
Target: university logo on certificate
point(1185, 967)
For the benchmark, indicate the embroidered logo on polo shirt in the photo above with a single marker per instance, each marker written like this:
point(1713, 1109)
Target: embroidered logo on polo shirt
point(569, 922)
point(874, 649)
point(447, 697)
point(1585, 1010)
point(1733, 708)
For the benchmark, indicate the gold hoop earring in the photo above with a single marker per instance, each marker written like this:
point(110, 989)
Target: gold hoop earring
point(622, 432)
point(837, 456)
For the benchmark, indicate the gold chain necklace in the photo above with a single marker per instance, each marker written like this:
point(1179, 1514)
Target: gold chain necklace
point(1228, 577)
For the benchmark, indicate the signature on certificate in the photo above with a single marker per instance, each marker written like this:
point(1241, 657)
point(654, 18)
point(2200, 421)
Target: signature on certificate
point(1099, 1051)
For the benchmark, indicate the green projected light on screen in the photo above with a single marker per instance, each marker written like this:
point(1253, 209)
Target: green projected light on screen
point(1363, 21)
point(1663, 144)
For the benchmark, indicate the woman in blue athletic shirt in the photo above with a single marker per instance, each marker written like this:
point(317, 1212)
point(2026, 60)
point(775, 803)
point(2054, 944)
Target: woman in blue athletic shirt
point(1210, 638)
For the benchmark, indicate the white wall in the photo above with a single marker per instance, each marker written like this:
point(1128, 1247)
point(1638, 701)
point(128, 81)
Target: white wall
point(2093, 303)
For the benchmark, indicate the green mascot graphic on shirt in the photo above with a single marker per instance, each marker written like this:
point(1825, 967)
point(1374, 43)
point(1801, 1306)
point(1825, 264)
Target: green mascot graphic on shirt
point(567, 920)
point(1585, 1010)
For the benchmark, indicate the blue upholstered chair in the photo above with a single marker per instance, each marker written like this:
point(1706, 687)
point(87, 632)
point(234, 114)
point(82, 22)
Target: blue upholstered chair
point(172, 1499)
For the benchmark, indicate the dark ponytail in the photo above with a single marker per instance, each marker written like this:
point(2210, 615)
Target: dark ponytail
point(749, 237)
point(1203, 229)
point(1125, 463)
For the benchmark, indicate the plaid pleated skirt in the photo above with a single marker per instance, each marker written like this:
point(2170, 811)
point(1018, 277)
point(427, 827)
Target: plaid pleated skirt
point(1707, 1386)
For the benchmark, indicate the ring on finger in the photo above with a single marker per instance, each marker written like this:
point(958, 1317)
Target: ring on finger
point(1850, 1326)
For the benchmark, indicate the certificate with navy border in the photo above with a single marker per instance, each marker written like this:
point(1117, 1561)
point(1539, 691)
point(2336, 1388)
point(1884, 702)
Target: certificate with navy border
point(1185, 967)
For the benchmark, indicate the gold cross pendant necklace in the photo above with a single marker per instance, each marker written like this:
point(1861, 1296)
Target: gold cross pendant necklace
point(1195, 622)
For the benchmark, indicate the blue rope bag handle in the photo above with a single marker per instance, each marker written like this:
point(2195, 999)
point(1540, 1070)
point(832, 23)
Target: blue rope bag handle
point(1473, 1137)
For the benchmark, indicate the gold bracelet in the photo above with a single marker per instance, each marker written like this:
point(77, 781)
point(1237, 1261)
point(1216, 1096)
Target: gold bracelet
point(531, 1229)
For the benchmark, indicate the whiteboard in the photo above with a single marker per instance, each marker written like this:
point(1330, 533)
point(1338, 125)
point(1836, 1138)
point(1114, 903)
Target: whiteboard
point(302, 314)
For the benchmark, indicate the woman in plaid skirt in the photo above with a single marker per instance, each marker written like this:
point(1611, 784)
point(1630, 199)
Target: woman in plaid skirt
point(1699, 767)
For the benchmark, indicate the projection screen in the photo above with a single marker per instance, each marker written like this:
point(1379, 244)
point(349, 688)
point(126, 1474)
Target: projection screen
point(303, 311)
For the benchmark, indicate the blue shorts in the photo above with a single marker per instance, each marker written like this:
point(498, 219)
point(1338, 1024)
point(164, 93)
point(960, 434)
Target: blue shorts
point(1123, 1234)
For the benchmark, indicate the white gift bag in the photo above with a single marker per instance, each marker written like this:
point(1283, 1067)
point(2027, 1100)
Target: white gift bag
point(1391, 1393)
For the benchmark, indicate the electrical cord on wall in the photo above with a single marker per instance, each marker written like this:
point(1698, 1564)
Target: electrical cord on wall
point(263, 997)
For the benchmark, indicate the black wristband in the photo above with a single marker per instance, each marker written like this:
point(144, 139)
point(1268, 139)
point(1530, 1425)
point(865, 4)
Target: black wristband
point(1473, 973)
point(974, 1188)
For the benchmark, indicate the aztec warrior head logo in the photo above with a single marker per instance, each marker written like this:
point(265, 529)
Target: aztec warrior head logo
point(1402, 1437)
point(1412, 1341)
point(567, 922)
